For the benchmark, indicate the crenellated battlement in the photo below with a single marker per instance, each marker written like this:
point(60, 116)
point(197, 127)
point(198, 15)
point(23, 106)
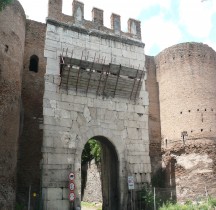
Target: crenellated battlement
point(77, 18)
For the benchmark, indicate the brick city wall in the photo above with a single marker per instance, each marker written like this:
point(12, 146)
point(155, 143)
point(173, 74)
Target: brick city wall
point(154, 115)
point(12, 38)
point(186, 76)
point(32, 96)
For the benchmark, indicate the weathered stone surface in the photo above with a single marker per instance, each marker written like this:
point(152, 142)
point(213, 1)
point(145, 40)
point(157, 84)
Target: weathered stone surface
point(76, 117)
point(186, 78)
point(12, 43)
point(177, 94)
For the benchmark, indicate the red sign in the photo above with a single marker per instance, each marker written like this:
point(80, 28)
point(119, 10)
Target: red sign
point(72, 196)
point(71, 186)
point(71, 176)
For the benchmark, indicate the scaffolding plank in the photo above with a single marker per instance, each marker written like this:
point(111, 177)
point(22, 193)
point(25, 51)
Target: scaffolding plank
point(86, 76)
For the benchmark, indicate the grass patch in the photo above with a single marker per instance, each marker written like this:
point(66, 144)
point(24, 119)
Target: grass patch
point(97, 206)
point(203, 205)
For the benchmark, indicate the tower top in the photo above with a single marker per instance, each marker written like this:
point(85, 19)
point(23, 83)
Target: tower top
point(77, 18)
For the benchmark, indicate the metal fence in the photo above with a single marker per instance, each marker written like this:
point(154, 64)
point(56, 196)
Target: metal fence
point(150, 198)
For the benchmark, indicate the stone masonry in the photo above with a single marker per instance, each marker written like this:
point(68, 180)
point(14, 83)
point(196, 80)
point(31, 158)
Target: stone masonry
point(71, 118)
point(153, 116)
point(29, 157)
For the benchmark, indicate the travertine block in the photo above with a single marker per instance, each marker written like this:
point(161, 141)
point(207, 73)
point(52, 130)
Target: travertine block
point(57, 205)
point(59, 159)
point(53, 36)
point(54, 194)
point(48, 111)
point(50, 54)
point(121, 107)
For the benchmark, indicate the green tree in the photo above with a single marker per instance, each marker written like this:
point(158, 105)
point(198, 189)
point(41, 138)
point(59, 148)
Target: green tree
point(3, 3)
point(92, 150)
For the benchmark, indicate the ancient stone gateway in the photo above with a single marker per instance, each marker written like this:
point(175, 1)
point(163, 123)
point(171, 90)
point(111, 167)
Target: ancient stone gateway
point(94, 87)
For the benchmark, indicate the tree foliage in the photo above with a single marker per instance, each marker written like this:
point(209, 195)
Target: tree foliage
point(3, 3)
point(92, 150)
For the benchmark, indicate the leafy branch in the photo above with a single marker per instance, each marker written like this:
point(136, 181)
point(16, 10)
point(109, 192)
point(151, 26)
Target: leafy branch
point(4, 3)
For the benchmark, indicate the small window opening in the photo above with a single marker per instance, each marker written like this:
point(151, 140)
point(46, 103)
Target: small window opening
point(189, 110)
point(197, 109)
point(6, 48)
point(201, 130)
point(180, 112)
point(205, 110)
point(33, 66)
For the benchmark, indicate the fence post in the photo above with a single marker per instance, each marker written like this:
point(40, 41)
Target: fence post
point(206, 192)
point(29, 199)
point(154, 200)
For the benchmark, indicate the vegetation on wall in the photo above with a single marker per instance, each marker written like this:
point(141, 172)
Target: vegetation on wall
point(3, 3)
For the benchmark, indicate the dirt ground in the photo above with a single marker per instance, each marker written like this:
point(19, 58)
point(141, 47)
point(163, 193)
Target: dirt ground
point(96, 207)
point(89, 208)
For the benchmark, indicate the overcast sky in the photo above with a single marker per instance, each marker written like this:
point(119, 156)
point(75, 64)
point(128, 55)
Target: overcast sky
point(164, 22)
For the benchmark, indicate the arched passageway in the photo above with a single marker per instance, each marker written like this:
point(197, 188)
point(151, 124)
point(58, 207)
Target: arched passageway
point(109, 168)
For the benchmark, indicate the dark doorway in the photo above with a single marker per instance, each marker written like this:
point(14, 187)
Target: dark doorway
point(109, 166)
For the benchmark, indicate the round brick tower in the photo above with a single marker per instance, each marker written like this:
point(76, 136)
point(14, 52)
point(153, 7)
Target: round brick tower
point(12, 36)
point(186, 74)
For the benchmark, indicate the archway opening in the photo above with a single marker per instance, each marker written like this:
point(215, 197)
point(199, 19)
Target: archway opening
point(100, 154)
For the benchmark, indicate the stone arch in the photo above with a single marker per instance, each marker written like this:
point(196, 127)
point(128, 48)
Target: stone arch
point(111, 145)
point(109, 173)
point(99, 131)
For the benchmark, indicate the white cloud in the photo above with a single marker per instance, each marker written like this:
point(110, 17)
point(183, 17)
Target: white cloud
point(160, 32)
point(196, 16)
